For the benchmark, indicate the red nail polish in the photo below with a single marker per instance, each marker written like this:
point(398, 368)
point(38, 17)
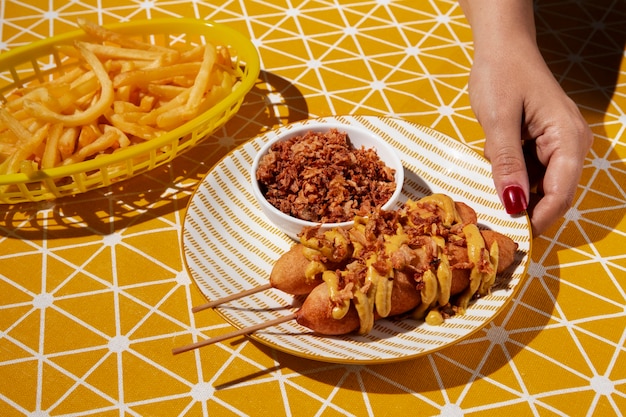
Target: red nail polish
point(514, 199)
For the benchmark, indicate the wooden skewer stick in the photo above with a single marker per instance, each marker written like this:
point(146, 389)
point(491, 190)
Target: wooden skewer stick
point(240, 332)
point(231, 297)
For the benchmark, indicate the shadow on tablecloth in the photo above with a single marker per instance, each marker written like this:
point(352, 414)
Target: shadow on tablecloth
point(583, 43)
point(584, 46)
point(272, 101)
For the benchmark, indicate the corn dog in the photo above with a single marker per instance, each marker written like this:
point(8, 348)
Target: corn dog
point(294, 273)
point(427, 258)
point(289, 273)
point(316, 311)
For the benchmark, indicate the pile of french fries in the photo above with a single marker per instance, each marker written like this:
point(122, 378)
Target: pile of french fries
point(121, 91)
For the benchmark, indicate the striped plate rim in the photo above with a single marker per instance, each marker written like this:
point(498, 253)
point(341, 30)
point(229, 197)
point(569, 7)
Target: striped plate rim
point(229, 246)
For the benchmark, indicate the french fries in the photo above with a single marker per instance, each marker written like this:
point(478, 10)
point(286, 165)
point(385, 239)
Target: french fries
point(117, 92)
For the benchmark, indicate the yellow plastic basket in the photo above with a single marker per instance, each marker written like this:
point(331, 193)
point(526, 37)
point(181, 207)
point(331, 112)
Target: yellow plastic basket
point(39, 60)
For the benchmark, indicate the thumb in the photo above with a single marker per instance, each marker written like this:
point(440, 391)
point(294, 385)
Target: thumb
point(503, 148)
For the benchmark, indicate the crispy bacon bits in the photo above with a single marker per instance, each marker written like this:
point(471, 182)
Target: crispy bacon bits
point(322, 178)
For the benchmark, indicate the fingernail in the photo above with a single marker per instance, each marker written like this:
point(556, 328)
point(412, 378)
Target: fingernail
point(514, 199)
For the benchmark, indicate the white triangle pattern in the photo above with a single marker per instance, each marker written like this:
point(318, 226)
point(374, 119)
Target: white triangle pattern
point(393, 48)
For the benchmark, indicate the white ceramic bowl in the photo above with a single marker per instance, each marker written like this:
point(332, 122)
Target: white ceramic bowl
point(292, 226)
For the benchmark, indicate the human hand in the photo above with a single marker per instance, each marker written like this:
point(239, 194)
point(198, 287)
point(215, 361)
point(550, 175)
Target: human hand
point(518, 101)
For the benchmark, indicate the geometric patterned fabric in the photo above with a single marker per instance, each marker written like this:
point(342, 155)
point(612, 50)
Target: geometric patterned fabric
point(94, 292)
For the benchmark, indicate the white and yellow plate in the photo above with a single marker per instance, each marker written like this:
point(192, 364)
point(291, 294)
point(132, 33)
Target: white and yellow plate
point(229, 246)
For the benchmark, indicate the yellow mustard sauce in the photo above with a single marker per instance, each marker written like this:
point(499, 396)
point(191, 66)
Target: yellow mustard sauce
point(428, 293)
point(380, 284)
point(445, 203)
point(444, 274)
point(312, 269)
point(359, 227)
point(385, 282)
point(475, 246)
point(364, 307)
point(444, 278)
point(490, 279)
point(437, 285)
point(361, 300)
point(341, 308)
point(434, 318)
point(334, 252)
point(313, 248)
point(341, 245)
point(376, 290)
point(308, 252)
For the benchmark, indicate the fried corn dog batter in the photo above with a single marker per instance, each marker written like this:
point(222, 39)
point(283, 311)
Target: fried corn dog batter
point(428, 240)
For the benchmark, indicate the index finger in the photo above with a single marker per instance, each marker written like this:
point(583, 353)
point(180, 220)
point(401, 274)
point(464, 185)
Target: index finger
point(503, 148)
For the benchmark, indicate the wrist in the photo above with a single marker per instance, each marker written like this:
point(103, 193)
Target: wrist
point(500, 24)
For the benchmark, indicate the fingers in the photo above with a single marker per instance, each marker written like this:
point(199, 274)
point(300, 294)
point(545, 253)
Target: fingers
point(498, 105)
point(563, 155)
point(503, 148)
point(559, 188)
point(533, 133)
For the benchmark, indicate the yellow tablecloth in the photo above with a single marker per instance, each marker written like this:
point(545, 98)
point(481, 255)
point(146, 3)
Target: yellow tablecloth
point(94, 292)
